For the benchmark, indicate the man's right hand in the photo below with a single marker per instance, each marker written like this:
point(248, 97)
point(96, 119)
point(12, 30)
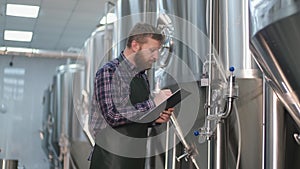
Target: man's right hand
point(161, 96)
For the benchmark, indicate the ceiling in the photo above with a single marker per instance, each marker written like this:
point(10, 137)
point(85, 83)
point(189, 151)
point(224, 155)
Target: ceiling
point(62, 25)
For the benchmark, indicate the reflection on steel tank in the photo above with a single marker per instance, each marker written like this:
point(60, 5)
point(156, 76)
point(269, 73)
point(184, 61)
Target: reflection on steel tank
point(274, 31)
point(275, 38)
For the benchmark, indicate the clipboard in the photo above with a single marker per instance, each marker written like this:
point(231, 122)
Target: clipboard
point(172, 101)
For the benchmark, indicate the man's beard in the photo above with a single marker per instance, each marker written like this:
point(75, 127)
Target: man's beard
point(141, 64)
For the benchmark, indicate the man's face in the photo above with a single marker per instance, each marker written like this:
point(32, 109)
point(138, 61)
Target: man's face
point(147, 54)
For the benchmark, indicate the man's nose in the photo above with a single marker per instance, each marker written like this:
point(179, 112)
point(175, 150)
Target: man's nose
point(155, 55)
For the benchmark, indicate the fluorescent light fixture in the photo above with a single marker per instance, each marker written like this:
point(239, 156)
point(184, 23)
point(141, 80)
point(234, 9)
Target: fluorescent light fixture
point(28, 11)
point(111, 17)
point(23, 36)
point(14, 71)
point(14, 49)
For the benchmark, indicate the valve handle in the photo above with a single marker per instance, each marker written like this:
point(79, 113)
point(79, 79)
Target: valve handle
point(196, 133)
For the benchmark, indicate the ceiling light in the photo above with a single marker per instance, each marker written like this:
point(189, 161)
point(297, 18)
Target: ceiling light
point(23, 36)
point(21, 50)
point(22, 10)
point(111, 17)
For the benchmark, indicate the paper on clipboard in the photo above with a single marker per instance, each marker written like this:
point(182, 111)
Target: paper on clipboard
point(172, 101)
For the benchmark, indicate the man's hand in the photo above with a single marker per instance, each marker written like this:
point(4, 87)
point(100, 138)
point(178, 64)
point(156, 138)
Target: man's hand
point(165, 116)
point(162, 95)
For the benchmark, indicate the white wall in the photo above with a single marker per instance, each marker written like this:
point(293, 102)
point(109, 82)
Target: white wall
point(21, 108)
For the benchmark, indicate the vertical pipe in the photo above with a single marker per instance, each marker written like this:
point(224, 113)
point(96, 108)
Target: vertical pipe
point(220, 155)
point(145, 4)
point(218, 148)
point(167, 146)
point(263, 165)
point(107, 35)
point(275, 131)
point(174, 151)
point(210, 33)
point(248, 61)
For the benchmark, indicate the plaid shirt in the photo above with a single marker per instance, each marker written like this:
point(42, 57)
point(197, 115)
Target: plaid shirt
point(111, 100)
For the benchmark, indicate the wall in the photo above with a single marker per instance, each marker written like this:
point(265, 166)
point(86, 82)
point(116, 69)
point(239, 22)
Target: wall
point(21, 105)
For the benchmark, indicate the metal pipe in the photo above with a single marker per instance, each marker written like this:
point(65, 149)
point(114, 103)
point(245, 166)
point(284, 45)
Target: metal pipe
point(231, 95)
point(228, 108)
point(107, 10)
point(210, 31)
point(221, 144)
point(29, 52)
point(174, 152)
point(189, 151)
point(220, 156)
point(167, 145)
point(275, 131)
point(146, 6)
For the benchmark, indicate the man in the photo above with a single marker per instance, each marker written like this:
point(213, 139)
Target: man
point(121, 96)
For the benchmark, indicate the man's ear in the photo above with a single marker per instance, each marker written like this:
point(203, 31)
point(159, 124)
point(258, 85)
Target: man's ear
point(135, 46)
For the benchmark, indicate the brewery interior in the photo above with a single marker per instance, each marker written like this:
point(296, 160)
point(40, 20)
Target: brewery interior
point(238, 60)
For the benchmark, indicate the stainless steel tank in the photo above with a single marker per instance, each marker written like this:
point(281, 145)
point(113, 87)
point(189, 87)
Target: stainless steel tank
point(49, 142)
point(44, 133)
point(97, 50)
point(49, 133)
point(274, 31)
point(128, 14)
point(275, 37)
point(189, 34)
point(8, 164)
point(239, 138)
point(67, 75)
point(69, 84)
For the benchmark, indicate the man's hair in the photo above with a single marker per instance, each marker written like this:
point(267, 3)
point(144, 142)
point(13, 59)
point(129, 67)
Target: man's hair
point(142, 30)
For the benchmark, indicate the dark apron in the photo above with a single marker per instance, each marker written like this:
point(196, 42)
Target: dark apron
point(103, 159)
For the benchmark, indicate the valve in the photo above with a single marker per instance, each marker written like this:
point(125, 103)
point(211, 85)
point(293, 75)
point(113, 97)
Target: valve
point(196, 133)
point(232, 88)
point(187, 153)
point(230, 93)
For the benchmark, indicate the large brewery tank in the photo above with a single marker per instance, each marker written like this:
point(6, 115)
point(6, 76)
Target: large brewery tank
point(65, 136)
point(68, 140)
point(97, 50)
point(8, 164)
point(275, 38)
point(274, 31)
point(49, 142)
point(66, 76)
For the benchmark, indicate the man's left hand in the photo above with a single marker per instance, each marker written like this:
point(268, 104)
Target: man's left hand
point(165, 116)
